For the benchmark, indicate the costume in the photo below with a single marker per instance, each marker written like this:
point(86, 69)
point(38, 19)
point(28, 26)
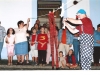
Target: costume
point(86, 43)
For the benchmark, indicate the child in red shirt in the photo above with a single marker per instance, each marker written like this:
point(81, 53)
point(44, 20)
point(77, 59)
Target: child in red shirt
point(42, 40)
point(33, 43)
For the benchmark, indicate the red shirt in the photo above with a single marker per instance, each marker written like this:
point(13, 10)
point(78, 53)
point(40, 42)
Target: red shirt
point(33, 39)
point(87, 26)
point(63, 40)
point(42, 38)
point(72, 58)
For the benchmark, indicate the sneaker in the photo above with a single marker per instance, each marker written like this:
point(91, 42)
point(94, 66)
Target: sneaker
point(18, 63)
point(35, 63)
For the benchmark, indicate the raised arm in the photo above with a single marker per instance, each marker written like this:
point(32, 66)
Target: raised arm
point(28, 20)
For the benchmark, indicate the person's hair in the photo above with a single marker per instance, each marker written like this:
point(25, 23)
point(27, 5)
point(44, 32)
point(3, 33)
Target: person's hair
point(36, 24)
point(98, 25)
point(9, 30)
point(33, 28)
point(42, 27)
point(72, 52)
point(60, 52)
point(19, 22)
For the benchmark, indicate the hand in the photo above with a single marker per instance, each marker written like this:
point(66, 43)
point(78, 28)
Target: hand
point(7, 42)
point(70, 45)
point(14, 42)
point(42, 44)
point(98, 42)
point(28, 20)
point(32, 43)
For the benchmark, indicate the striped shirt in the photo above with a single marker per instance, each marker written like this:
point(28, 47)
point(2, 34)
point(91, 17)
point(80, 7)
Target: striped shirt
point(2, 33)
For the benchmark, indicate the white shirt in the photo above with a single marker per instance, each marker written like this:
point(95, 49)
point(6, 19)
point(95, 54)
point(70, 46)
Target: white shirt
point(20, 35)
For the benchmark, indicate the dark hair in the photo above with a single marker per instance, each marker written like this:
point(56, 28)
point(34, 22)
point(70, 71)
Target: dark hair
point(36, 24)
point(61, 52)
point(42, 27)
point(72, 52)
point(19, 22)
point(33, 28)
point(98, 25)
point(9, 30)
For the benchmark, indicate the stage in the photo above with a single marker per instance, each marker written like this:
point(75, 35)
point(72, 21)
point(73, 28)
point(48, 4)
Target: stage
point(4, 66)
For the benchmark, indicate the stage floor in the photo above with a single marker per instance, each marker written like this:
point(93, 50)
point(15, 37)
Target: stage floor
point(4, 66)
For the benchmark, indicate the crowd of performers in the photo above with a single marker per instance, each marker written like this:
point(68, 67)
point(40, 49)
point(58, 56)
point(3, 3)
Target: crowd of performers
point(36, 42)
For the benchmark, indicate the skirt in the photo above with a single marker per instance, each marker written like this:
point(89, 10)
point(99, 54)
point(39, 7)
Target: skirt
point(10, 50)
point(21, 48)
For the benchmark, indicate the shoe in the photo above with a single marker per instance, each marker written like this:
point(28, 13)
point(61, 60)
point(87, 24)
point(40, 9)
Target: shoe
point(95, 64)
point(18, 63)
point(35, 63)
point(27, 62)
point(43, 64)
point(22, 63)
point(40, 64)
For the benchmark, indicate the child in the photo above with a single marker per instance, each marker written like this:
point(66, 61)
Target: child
point(10, 44)
point(70, 59)
point(33, 43)
point(62, 61)
point(42, 46)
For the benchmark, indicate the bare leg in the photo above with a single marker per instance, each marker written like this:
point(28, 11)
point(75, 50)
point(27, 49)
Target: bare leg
point(36, 59)
point(22, 58)
point(18, 58)
point(33, 59)
point(27, 58)
point(11, 60)
point(8, 60)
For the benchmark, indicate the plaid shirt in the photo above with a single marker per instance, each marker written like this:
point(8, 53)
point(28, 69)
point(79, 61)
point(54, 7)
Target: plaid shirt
point(2, 33)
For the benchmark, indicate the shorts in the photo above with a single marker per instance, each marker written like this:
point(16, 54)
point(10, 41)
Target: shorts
point(33, 52)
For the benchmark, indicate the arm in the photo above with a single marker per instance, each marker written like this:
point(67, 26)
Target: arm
point(4, 32)
point(28, 20)
point(73, 60)
point(6, 40)
point(72, 30)
point(74, 21)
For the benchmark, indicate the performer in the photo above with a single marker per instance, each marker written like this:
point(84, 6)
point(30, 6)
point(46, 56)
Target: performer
point(86, 37)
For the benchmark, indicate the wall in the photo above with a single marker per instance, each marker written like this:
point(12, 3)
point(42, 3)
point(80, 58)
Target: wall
point(95, 12)
point(11, 11)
